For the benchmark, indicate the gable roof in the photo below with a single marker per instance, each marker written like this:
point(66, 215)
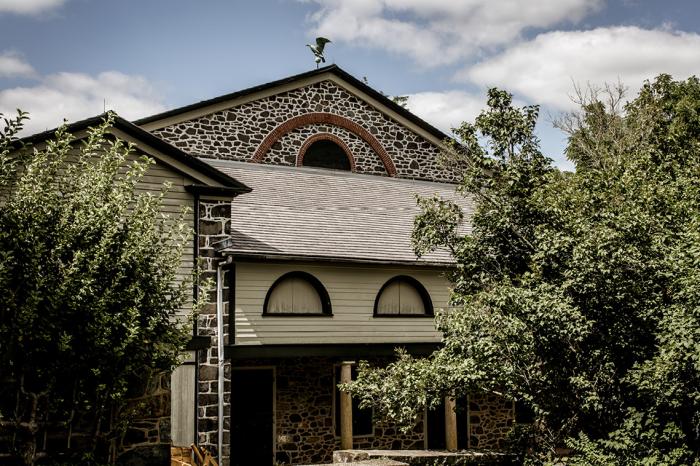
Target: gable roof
point(301, 213)
point(334, 70)
point(227, 184)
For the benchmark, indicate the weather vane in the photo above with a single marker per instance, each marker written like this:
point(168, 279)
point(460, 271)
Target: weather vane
point(318, 50)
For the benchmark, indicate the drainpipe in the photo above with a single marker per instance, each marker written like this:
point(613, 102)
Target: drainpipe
point(195, 296)
point(220, 351)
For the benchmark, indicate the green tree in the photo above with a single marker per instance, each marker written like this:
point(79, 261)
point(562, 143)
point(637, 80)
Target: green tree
point(576, 293)
point(88, 292)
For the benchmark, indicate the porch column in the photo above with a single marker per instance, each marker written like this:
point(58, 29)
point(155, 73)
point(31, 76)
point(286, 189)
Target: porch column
point(450, 423)
point(346, 407)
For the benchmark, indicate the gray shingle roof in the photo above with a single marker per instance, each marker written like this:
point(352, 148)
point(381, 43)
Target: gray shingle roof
point(327, 214)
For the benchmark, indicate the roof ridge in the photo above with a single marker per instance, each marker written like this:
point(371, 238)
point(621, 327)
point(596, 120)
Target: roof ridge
point(334, 69)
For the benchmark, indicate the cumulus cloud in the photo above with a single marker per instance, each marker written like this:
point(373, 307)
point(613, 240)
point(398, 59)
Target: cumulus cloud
point(28, 7)
point(446, 110)
point(544, 69)
point(440, 32)
point(12, 65)
point(75, 96)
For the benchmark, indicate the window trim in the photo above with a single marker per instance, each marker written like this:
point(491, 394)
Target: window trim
point(326, 310)
point(422, 291)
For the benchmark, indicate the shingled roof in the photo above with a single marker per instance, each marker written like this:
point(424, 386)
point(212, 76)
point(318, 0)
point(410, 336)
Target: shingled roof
point(317, 214)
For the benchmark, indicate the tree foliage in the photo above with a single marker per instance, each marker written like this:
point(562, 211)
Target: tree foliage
point(576, 294)
point(88, 291)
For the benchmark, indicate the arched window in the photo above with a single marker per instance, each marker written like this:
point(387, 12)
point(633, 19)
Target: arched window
point(403, 296)
point(297, 294)
point(325, 151)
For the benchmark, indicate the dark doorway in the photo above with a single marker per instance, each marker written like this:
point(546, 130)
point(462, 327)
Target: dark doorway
point(436, 426)
point(252, 414)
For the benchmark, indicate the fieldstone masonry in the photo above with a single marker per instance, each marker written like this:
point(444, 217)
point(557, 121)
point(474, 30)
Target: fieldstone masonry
point(491, 417)
point(238, 132)
point(305, 414)
point(147, 440)
point(214, 225)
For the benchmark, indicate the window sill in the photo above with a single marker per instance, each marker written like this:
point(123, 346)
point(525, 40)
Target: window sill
point(291, 314)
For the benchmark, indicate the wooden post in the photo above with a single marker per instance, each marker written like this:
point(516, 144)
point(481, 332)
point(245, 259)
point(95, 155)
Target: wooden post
point(450, 423)
point(346, 408)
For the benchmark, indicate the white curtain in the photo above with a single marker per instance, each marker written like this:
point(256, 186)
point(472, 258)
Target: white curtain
point(294, 296)
point(400, 297)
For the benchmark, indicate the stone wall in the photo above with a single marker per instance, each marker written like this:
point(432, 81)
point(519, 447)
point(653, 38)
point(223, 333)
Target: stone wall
point(491, 418)
point(214, 225)
point(305, 414)
point(147, 440)
point(238, 133)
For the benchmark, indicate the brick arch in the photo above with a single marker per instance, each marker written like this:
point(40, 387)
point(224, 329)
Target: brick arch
point(324, 118)
point(325, 137)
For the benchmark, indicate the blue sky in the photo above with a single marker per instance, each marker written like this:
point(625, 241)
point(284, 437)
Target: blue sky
point(73, 58)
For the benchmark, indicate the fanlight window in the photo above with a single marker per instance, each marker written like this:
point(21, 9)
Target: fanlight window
point(403, 296)
point(325, 153)
point(297, 293)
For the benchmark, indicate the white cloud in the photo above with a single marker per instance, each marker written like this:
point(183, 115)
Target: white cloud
point(440, 32)
point(12, 65)
point(446, 110)
point(544, 69)
point(75, 96)
point(28, 7)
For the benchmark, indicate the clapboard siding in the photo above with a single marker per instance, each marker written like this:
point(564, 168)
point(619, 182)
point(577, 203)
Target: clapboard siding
point(352, 290)
point(175, 201)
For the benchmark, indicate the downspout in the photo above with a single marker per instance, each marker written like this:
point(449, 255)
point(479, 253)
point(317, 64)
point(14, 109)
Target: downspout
point(231, 301)
point(220, 352)
point(195, 295)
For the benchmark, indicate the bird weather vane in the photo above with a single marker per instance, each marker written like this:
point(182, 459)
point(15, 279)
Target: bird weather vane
point(317, 50)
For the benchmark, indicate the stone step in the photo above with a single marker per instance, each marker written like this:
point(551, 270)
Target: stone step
point(374, 462)
point(424, 457)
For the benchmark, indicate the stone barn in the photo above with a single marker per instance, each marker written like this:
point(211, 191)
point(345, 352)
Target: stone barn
point(315, 269)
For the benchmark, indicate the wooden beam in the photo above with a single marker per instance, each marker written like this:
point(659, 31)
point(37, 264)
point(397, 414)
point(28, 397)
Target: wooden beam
point(346, 407)
point(450, 423)
point(334, 350)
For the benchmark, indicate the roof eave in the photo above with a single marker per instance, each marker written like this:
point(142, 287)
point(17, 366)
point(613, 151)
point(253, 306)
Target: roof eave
point(334, 69)
point(149, 139)
point(290, 257)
